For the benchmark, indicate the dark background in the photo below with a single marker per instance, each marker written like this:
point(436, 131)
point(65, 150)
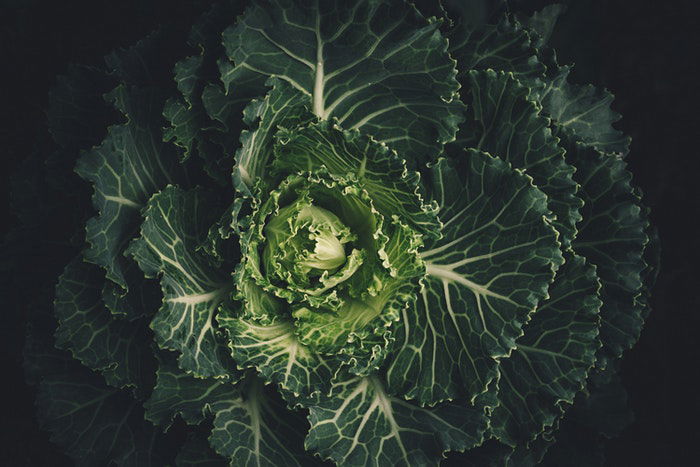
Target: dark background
point(644, 51)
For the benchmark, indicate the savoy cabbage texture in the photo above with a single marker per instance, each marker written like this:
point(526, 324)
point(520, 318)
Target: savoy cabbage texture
point(362, 233)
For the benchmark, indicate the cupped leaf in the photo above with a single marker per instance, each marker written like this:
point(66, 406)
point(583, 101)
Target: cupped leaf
point(551, 361)
point(485, 276)
point(503, 121)
point(282, 107)
point(584, 110)
point(203, 119)
point(96, 424)
point(176, 223)
point(257, 428)
point(360, 332)
point(126, 169)
point(117, 348)
point(178, 393)
point(505, 46)
point(362, 424)
point(393, 189)
point(273, 348)
point(378, 66)
point(612, 236)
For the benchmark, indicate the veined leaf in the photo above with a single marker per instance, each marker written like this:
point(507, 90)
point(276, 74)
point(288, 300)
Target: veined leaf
point(175, 224)
point(115, 347)
point(612, 236)
point(392, 188)
point(485, 276)
point(282, 107)
point(273, 348)
point(551, 361)
point(504, 122)
point(378, 66)
point(258, 429)
point(178, 393)
point(362, 424)
point(126, 169)
point(96, 424)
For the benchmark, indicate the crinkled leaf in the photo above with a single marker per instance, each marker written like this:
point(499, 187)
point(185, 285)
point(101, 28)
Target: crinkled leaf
point(584, 110)
point(362, 424)
point(542, 22)
point(505, 46)
point(176, 223)
point(485, 276)
point(126, 169)
point(178, 393)
point(392, 189)
point(258, 429)
point(283, 107)
point(612, 236)
point(503, 122)
point(552, 359)
point(96, 424)
point(379, 66)
point(273, 347)
point(115, 347)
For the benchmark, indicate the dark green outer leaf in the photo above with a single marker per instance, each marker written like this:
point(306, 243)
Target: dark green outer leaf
point(129, 166)
point(257, 429)
point(95, 424)
point(551, 361)
point(178, 393)
point(503, 121)
point(117, 348)
point(485, 276)
point(613, 237)
point(378, 66)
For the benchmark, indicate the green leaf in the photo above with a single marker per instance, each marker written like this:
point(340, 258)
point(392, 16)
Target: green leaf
point(362, 424)
point(96, 424)
point(141, 298)
point(116, 348)
point(379, 67)
point(505, 46)
point(485, 276)
point(282, 107)
point(612, 236)
point(203, 119)
point(504, 122)
point(272, 347)
point(178, 393)
point(176, 223)
point(584, 111)
point(552, 359)
point(126, 169)
point(258, 429)
point(392, 188)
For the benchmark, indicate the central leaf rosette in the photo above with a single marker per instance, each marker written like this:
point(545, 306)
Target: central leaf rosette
point(330, 257)
point(319, 244)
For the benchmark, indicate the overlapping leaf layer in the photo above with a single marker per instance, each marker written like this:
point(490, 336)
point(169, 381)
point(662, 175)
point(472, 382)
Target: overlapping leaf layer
point(363, 232)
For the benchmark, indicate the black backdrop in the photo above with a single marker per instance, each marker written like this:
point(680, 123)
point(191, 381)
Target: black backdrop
point(644, 51)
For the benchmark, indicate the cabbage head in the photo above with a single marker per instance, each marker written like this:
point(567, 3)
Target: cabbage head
point(363, 232)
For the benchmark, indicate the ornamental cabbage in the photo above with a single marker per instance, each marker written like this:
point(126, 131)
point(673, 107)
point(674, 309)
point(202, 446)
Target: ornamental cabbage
point(369, 232)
